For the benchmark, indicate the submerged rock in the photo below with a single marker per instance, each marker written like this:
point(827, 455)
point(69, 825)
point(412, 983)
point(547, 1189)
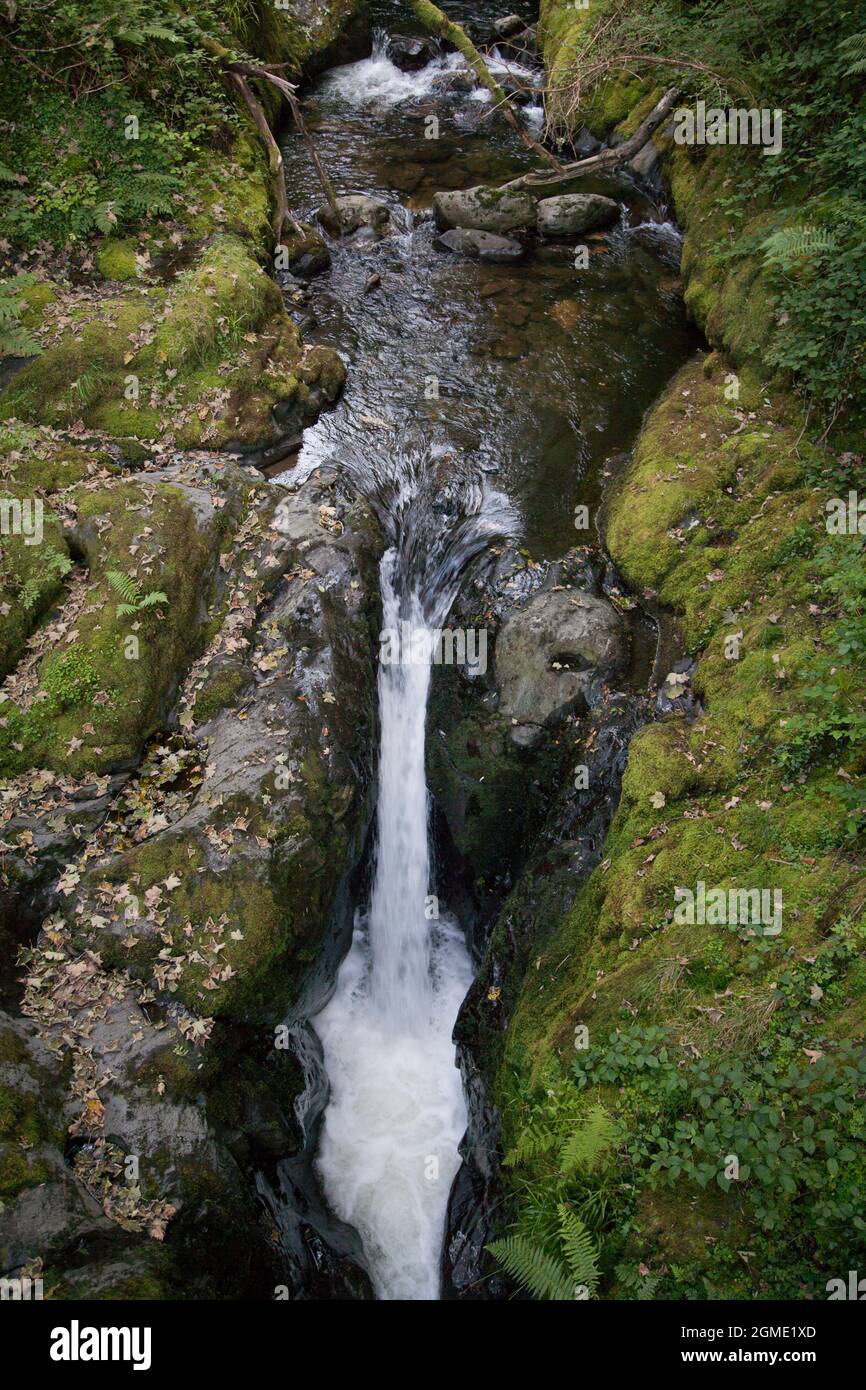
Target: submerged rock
point(570, 214)
point(307, 252)
point(482, 246)
point(549, 652)
point(356, 210)
point(484, 209)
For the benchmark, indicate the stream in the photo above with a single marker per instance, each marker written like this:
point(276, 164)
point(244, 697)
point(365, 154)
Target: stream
point(482, 402)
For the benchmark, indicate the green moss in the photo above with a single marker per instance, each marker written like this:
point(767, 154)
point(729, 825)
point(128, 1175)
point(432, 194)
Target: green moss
point(116, 677)
point(25, 1125)
point(220, 690)
point(115, 259)
point(32, 574)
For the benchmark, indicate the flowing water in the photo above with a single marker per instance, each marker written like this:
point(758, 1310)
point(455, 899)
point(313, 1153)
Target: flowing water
point(482, 401)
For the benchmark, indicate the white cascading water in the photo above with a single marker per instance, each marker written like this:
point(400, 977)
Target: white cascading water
point(389, 1148)
point(376, 81)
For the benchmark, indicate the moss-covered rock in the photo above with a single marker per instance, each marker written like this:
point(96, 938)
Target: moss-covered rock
point(211, 360)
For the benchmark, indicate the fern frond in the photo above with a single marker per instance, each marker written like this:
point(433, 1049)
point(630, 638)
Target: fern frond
point(544, 1276)
point(532, 1143)
point(579, 1249)
point(796, 243)
point(153, 598)
point(853, 49)
point(123, 584)
point(595, 1137)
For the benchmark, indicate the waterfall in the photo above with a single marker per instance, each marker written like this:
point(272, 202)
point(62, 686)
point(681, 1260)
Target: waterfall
point(389, 1147)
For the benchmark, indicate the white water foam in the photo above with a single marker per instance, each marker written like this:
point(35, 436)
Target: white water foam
point(377, 82)
point(389, 1148)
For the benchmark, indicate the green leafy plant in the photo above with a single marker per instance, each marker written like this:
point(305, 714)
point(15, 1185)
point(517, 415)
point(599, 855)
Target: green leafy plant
point(546, 1277)
point(15, 339)
point(134, 599)
point(55, 565)
point(569, 1149)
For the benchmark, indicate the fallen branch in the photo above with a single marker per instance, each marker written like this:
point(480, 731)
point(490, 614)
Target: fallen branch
point(607, 158)
point(239, 75)
point(442, 27)
point(275, 156)
point(289, 91)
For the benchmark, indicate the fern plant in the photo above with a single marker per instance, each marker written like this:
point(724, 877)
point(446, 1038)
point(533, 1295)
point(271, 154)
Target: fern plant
point(552, 1253)
point(853, 50)
point(552, 1278)
point(15, 339)
point(792, 244)
point(134, 600)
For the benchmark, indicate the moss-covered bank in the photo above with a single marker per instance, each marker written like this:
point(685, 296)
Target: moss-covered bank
point(729, 1059)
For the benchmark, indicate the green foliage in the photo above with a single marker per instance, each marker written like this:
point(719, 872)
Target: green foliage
point(15, 340)
point(809, 199)
point(71, 680)
point(126, 98)
point(55, 564)
point(553, 1251)
point(135, 600)
point(834, 723)
point(794, 1122)
point(543, 1275)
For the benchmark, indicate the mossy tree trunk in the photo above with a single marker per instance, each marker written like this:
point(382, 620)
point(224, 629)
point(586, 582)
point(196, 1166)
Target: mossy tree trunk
point(441, 27)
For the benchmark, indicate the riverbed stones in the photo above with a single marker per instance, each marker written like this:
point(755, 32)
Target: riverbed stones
point(571, 214)
point(482, 246)
point(484, 209)
point(355, 210)
point(547, 655)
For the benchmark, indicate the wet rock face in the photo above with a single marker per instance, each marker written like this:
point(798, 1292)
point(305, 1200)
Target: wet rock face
point(186, 916)
point(549, 652)
point(493, 780)
point(574, 213)
point(307, 252)
point(508, 26)
point(410, 53)
point(482, 246)
point(484, 209)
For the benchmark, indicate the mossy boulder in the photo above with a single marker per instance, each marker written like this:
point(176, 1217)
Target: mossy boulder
point(213, 359)
point(484, 209)
point(89, 704)
point(115, 259)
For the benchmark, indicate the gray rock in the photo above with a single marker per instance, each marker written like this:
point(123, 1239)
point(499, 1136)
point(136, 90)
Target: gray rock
point(548, 653)
point(356, 210)
point(410, 53)
point(570, 214)
point(307, 252)
point(509, 25)
point(484, 209)
point(482, 246)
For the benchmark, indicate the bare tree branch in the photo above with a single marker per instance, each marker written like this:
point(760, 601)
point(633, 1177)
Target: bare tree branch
point(607, 158)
